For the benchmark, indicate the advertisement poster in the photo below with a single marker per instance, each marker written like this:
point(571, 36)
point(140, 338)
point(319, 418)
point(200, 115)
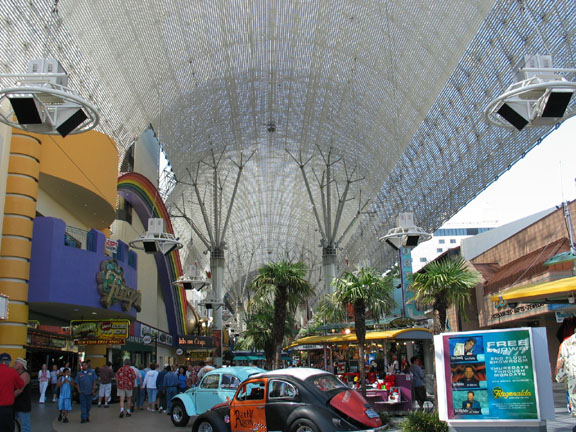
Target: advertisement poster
point(95, 332)
point(490, 375)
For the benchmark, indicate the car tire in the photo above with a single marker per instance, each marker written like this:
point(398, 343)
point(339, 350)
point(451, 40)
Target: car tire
point(210, 423)
point(303, 425)
point(178, 415)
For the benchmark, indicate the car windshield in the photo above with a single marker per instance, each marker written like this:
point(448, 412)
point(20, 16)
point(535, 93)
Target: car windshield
point(326, 382)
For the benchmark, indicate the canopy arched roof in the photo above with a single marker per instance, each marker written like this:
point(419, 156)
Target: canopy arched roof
point(394, 90)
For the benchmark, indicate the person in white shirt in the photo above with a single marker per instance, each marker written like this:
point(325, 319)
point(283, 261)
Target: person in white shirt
point(394, 367)
point(206, 367)
point(150, 386)
point(43, 380)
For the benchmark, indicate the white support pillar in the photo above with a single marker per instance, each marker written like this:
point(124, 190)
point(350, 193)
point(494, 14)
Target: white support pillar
point(217, 266)
point(329, 263)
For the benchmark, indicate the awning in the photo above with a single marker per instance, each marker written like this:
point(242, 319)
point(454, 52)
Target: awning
point(558, 291)
point(411, 333)
point(255, 357)
point(249, 358)
point(388, 322)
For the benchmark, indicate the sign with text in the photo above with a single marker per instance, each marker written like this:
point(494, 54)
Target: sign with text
point(490, 375)
point(196, 342)
point(111, 246)
point(113, 289)
point(114, 332)
point(155, 335)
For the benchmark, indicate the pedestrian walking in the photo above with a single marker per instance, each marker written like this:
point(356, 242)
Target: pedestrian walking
point(23, 399)
point(160, 388)
point(43, 381)
point(142, 392)
point(106, 376)
point(86, 386)
point(9, 381)
point(418, 381)
point(65, 384)
point(171, 388)
point(137, 388)
point(54, 382)
point(125, 378)
point(150, 385)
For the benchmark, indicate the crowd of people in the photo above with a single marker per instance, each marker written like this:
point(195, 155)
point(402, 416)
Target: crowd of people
point(137, 388)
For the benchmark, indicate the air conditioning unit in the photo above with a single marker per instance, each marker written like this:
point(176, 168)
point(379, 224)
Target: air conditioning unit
point(405, 220)
point(47, 66)
point(536, 61)
point(156, 225)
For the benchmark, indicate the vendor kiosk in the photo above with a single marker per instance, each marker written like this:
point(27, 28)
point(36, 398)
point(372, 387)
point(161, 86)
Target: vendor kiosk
point(401, 343)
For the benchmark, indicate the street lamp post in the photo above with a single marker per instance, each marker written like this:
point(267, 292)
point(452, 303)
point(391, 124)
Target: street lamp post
point(406, 235)
point(147, 339)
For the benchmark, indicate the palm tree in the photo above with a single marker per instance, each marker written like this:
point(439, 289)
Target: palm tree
point(258, 333)
point(285, 283)
point(443, 284)
point(367, 292)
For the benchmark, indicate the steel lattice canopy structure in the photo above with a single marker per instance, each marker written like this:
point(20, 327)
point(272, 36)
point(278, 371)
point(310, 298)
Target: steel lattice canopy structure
point(393, 91)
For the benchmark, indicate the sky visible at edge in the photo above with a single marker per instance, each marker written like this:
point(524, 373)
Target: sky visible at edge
point(543, 179)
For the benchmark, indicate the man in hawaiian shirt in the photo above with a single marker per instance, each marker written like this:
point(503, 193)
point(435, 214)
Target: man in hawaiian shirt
point(125, 378)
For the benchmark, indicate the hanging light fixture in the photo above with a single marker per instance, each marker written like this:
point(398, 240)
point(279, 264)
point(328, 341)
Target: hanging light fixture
point(211, 302)
point(406, 234)
point(539, 96)
point(192, 280)
point(42, 103)
point(155, 239)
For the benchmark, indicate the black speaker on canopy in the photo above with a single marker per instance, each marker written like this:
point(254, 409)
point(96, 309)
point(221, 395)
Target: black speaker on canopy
point(512, 116)
point(72, 122)
point(390, 243)
point(556, 104)
point(26, 109)
point(412, 240)
point(150, 246)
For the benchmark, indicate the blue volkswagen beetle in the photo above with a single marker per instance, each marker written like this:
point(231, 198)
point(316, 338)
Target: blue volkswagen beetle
point(216, 386)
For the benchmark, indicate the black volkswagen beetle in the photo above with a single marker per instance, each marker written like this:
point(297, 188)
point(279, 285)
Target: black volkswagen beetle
point(291, 400)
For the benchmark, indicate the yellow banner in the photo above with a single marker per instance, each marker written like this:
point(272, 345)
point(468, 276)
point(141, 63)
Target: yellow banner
point(100, 332)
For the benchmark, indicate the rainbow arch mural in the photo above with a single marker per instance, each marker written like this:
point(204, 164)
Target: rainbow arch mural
point(146, 201)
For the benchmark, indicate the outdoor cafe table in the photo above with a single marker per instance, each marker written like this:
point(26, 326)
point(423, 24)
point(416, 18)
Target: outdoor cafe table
point(379, 398)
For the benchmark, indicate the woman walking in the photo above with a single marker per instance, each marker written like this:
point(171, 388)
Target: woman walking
point(150, 386)
point(54, 382)
point(43, 380)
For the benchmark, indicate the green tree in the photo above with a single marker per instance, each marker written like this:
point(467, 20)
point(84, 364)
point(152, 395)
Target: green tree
point(443, 284)
point(285, 283)
point(258, 333)
point(368, 293)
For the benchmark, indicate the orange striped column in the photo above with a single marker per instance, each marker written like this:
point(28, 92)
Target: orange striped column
point(19, 213)
point(96, 354)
